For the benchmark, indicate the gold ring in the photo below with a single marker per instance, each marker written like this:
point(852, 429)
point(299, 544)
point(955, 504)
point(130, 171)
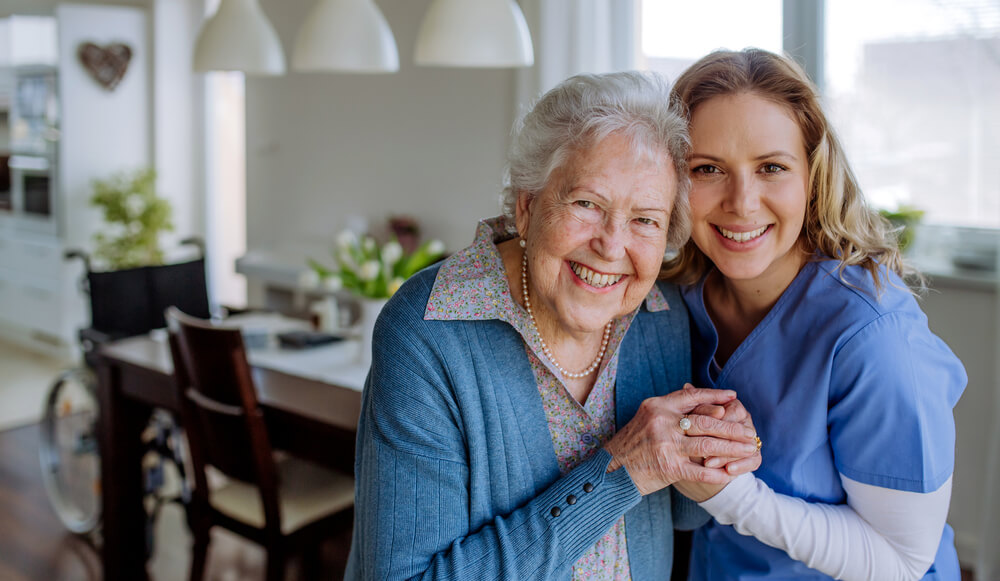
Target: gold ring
point(758, 442)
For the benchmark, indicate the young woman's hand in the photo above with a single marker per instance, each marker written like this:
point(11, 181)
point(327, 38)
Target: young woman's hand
point(731, 411)
point(657, 452)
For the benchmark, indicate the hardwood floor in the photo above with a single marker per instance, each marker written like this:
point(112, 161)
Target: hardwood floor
point(26, 376)
point(35, 547)
point(33, 543)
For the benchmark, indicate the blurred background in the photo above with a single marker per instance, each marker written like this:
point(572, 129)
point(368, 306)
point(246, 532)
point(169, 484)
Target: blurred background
point(267, 167)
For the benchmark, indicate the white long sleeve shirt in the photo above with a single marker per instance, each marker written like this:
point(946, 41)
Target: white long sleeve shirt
point(880, 534)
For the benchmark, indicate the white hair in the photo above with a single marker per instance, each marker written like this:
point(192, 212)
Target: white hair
point(583, 110)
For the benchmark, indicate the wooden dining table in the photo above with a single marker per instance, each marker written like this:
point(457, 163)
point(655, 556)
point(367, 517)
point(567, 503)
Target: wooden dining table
point(310, 417)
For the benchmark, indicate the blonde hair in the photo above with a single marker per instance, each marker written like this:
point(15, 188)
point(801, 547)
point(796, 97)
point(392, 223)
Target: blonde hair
point(839, 223)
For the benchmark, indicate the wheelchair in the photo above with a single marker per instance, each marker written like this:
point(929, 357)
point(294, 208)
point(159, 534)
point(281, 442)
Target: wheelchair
point(123, 303)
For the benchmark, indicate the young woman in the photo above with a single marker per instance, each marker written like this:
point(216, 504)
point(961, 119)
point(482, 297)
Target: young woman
point(798, 303)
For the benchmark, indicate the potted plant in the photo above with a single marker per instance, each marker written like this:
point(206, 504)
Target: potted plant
point(903, 218)
point(373, 273)
point(135, 216)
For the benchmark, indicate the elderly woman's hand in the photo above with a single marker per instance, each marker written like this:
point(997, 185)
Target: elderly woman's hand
point(731, 411)
point(657, 452)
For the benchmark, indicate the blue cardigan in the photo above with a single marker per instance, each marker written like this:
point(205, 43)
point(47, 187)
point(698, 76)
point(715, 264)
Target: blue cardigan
point(456, 477)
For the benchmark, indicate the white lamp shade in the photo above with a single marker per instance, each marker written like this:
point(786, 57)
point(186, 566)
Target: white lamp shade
point(474, 33)
point(238, 37)
point(346, 35)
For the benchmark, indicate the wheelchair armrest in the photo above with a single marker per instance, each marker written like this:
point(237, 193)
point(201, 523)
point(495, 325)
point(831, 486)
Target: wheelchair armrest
point(195, 241)
point(228, 311)
point(91, 338)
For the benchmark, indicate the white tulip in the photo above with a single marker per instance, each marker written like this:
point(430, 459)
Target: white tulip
point(345, 259)
point(394, 285)
point(308, 279)
point(333, 283)
point(346, 239)
point(368, 244)
point(391, 252)
point(369, 270)
point(435, 247)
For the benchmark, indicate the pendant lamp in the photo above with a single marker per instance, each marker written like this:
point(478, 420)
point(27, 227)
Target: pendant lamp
point(346, 36)
point(238, 37)
point(474, 33)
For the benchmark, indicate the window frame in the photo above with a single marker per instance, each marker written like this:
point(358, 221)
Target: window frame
point(804, 35)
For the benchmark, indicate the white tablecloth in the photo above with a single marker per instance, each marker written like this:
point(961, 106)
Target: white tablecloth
point(337, 363)
point(334, 363)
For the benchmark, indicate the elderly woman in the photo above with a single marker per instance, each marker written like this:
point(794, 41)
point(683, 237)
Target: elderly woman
point(499, 379)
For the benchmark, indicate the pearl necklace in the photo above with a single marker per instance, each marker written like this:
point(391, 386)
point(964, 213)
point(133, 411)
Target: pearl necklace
point(545, 348)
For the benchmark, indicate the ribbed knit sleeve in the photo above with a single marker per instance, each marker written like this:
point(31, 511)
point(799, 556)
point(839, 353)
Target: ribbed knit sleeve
point(416, 500)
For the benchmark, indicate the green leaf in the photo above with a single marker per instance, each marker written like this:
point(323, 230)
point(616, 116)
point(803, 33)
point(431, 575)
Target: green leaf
point(135, 217)
point(321, 270)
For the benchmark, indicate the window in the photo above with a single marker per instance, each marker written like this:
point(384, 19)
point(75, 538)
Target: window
point(913, 88)
point(675, 34)
point(225, 210)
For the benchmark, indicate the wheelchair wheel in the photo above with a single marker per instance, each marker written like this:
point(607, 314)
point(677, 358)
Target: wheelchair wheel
point(71, 466)
point(163, 470)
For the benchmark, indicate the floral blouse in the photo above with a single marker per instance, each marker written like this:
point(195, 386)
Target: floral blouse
point(473, 286)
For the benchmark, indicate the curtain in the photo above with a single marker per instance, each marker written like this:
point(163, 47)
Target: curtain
point(575, 36)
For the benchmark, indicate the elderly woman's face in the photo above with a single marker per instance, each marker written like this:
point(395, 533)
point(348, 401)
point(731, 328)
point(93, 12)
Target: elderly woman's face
point(596, 235)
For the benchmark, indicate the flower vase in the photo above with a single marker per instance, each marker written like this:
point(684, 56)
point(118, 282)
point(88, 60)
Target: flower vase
point(370, 308)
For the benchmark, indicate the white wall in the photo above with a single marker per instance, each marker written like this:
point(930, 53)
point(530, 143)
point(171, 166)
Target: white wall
point(177, 143)
point(428, 142)
point(102, 132)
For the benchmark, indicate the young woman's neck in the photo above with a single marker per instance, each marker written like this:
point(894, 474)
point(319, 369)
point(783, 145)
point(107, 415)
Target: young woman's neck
point(737, 306)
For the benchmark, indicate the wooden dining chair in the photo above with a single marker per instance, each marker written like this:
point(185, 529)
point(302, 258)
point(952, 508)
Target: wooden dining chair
point(283, 504)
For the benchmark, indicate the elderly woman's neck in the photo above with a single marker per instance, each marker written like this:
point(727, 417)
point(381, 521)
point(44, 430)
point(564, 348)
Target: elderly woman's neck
point(572, 349)
point(547, 322)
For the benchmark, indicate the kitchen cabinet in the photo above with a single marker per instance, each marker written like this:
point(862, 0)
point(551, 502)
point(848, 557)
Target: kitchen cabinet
point(962, 309)
point(62, 130)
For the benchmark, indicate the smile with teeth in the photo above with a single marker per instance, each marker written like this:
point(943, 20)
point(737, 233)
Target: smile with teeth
point(741, 236)
point(594, 279)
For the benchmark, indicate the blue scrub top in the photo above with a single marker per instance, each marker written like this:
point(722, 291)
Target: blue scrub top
point(836, 380)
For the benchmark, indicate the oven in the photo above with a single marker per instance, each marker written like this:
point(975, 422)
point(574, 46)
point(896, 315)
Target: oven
point(6, 196)
point(33, 150)
point(33, 192)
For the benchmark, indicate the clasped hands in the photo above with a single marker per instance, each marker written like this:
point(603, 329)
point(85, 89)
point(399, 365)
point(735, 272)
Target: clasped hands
point(719, 445)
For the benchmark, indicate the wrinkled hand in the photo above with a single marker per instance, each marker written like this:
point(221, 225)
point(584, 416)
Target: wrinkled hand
point(731, 411)
point(657, 453)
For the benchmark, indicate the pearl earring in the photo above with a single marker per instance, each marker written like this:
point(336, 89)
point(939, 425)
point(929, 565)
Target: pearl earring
point(522, 243)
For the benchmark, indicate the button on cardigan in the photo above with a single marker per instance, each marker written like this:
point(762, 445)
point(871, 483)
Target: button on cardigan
point(455, 470)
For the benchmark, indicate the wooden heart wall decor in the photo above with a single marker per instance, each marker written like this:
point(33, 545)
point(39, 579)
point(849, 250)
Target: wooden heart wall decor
point(107, 64)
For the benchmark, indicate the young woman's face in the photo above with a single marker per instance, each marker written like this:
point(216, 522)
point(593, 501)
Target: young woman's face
point(749, 183)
